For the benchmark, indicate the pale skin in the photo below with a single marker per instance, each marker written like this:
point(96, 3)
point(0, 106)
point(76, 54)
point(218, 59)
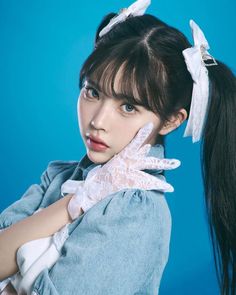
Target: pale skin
point(110, 116)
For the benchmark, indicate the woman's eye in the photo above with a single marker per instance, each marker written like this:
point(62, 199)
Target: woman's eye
point(91, 92)
point(129, 108)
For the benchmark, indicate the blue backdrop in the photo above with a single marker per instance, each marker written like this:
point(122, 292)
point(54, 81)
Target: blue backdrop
point(43, 45)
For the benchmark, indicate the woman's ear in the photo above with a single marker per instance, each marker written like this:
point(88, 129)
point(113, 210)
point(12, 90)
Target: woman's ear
point(174, 122)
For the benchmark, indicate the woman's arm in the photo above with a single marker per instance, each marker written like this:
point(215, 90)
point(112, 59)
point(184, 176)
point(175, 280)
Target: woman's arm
point(42, 224)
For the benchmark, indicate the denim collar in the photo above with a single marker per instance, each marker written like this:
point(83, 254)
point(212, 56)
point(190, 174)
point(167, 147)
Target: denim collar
point(85, 164)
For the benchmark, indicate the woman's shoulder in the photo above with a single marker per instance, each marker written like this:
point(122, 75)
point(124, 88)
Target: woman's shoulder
point(153, 201)
point(138, 206)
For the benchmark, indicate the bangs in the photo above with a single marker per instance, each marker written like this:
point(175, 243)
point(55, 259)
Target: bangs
point(122, 72)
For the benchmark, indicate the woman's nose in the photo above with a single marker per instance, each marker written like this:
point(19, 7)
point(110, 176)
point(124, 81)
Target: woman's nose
point(102, 116)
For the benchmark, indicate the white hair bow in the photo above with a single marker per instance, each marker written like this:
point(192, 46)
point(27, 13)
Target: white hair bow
point(197, 58)
point(137, 8)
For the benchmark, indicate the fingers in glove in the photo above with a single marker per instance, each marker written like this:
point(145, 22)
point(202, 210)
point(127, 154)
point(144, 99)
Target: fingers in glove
point(155, 163)
point(145, 181)
point(140, 137)
point(144, 150)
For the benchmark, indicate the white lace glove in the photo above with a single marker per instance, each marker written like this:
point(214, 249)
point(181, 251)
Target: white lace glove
point(120, 172)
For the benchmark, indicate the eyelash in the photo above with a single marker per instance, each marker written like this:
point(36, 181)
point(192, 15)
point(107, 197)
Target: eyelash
point(87, 88)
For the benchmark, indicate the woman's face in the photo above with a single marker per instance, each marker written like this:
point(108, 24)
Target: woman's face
point(115, 122)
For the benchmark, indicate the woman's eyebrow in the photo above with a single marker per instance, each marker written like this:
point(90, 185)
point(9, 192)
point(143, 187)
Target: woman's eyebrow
point(119, 96)
point(93, 84)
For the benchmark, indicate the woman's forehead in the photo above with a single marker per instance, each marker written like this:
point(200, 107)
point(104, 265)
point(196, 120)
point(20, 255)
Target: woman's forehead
point(116, 84)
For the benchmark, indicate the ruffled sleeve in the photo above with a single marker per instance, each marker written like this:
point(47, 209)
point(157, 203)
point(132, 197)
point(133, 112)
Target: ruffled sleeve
point(119, 246)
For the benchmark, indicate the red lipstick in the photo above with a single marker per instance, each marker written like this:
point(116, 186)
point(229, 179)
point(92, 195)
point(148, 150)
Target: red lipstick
point(95, 143)
point(97, 139)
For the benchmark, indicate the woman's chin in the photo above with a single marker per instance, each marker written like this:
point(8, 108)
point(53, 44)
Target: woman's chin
point(98, 157)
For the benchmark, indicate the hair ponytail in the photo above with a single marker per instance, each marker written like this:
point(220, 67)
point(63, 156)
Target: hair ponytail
point(219, 173)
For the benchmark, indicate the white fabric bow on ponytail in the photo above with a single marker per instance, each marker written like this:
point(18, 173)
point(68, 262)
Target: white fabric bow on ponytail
point(137, 8)
point(197, 58)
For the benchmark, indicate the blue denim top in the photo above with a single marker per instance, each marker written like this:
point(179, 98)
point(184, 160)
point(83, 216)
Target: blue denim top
point(120, 246)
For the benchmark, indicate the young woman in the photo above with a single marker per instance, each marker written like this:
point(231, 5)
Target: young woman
point(110, 234)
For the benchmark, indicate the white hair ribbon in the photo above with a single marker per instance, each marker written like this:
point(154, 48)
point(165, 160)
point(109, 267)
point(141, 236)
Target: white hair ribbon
point(137, 8)
point(197, 58)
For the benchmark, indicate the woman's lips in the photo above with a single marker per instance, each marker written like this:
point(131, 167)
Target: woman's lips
point(97, 146)
point(97, 139)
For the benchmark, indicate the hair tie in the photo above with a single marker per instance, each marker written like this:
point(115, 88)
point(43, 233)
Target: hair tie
point(197, 58)
point(137, 8)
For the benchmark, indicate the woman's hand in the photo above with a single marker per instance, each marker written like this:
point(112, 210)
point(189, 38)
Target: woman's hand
point(120, 172)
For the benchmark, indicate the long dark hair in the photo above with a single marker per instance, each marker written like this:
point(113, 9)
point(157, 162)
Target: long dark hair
point(150, 52)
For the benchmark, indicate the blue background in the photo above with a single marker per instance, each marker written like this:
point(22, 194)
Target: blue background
point(42, 47)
